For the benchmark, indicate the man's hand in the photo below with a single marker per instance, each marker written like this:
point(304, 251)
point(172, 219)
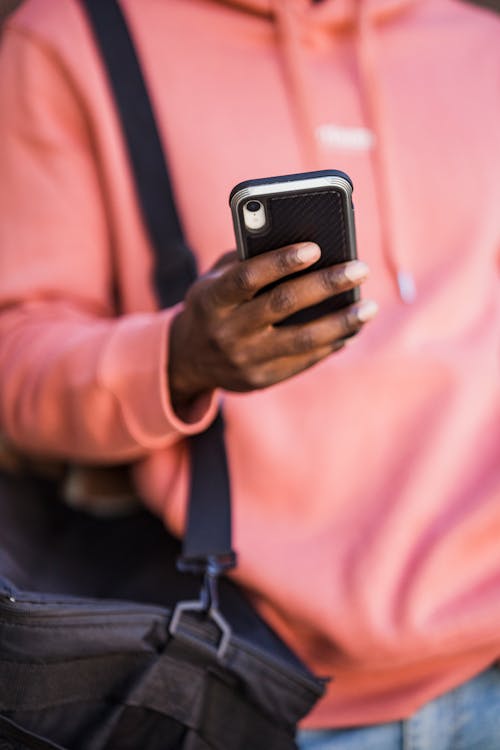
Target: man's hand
point(225, 336)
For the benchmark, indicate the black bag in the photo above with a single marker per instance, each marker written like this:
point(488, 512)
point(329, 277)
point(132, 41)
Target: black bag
point(127, 651)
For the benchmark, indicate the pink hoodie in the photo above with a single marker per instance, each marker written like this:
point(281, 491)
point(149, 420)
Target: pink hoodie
point(366, 490)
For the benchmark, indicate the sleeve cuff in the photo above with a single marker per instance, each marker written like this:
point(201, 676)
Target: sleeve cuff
point(134, 368)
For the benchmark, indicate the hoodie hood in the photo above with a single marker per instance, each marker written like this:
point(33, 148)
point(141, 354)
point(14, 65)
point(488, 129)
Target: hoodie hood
point(296, 22)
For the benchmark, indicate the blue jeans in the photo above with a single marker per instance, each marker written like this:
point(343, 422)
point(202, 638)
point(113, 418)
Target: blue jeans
point(467, 718)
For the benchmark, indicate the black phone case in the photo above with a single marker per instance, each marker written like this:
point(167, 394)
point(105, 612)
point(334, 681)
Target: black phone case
point(323, 215)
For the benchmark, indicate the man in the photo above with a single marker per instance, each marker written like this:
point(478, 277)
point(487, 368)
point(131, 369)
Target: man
point(366, 487)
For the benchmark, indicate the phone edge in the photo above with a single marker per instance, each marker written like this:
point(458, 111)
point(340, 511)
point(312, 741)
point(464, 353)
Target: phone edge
point(277, 185)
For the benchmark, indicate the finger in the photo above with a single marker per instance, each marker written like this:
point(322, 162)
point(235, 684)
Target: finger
point(293, 340)
point(283, 368)
point(241, 281)
point(325, 331)
point(311, 288)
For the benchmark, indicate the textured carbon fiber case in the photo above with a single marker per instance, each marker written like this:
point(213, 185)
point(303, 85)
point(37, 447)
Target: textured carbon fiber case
point(318, 215)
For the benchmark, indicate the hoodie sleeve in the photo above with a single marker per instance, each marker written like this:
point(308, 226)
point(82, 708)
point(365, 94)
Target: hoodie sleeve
point(75, 381)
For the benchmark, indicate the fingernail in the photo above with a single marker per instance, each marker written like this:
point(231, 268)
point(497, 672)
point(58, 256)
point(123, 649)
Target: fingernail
point(356, 270)
point(366, 310)
point(308, 251)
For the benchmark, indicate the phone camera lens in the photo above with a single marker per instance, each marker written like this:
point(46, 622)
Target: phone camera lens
point(254, 215)
point(253, 206)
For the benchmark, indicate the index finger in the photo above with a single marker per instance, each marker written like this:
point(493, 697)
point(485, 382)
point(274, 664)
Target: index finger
point(242, 280)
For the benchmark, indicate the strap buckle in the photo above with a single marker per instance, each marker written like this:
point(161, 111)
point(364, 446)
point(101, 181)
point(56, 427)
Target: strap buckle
point(208, 603)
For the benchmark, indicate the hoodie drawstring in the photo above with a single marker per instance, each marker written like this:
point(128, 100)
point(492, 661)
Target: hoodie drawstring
point(289, 22)
point(289, 32)
point(372, 99)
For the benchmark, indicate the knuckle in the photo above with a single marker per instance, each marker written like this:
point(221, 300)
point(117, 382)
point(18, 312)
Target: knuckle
point(257, 378)
point(233, 353)
point(230, 348)
point(331, 279)
point(286, 262)
point(303, 340)
point(243, 280)
point(348, 321)
point(219, 334)
point(239, 359)
point(281, 299)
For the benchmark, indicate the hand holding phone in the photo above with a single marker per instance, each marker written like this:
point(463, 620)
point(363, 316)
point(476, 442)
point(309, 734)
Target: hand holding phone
point(229, 333)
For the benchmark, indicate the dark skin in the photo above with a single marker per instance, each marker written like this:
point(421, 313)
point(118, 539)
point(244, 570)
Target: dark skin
point(225, 335)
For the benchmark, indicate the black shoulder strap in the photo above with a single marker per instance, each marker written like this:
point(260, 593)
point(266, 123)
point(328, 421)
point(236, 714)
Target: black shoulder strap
point(490, 4)
point(175, 266)
point(208, 537)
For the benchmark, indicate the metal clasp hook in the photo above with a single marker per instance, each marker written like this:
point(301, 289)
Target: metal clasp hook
point(208, 602)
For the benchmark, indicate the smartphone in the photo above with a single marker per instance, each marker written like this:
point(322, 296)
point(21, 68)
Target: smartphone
point(274, 212)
